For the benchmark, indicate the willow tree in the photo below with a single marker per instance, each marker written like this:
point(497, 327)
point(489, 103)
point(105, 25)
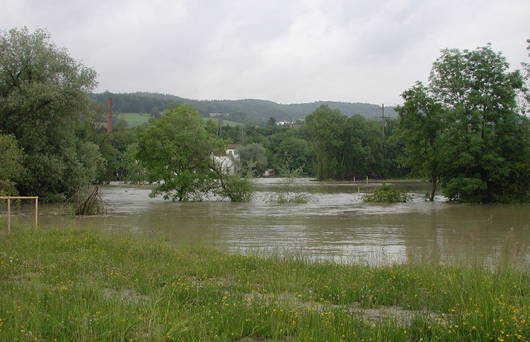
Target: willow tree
point(325, 127)
point(44, 105)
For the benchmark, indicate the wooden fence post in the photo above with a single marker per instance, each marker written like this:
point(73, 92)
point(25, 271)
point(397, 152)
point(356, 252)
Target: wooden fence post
point(8, 215)
point(36, 213)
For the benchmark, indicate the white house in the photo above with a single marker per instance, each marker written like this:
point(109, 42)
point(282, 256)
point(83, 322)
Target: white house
point(229, 160)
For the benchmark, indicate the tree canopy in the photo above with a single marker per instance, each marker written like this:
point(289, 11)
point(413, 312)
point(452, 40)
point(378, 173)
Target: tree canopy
point(346, 147)
point(465, 128)
point(175, 151)
point(44, 105)
point(11, 160)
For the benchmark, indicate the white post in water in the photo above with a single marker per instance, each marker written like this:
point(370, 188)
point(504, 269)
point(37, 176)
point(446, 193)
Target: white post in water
point(353, 179)
point(366, 179)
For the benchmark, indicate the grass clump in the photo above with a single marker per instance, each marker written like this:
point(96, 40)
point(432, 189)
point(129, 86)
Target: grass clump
point(386, 194)
point(72, 285)
point(286, 193)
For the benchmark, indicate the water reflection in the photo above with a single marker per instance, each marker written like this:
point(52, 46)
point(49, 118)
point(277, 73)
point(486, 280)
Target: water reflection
point(334, 225)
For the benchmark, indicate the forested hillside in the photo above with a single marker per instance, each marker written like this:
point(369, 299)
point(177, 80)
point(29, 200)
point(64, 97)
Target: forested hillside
point(247, 111)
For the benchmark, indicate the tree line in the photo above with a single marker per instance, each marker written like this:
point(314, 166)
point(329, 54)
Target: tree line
point(464, 131)
point(248, 111)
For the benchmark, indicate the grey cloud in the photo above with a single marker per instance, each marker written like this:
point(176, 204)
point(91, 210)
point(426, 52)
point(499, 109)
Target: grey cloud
point(287, 51)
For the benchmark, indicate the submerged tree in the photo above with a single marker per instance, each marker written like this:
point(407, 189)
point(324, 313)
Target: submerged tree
point(421, 126)
point(177, 154)
point(175, 151)
point(44, 104)
point(468, 123)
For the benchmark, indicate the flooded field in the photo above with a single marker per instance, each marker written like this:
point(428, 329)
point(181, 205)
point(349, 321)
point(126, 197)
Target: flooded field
point(334, 225)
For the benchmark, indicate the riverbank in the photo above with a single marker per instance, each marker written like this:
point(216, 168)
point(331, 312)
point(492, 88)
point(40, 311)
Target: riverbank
point(79, 285)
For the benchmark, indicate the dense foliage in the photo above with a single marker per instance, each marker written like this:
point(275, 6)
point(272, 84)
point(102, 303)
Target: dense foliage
point(11, 160)
point(465, 128)
point(44, 105)
point(175, 151)
point(348, 147)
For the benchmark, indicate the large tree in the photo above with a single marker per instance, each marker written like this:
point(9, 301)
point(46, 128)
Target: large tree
point(420, 129)
point(325, 127)
point(176, 152)
point(470, 107)
point(44, 104)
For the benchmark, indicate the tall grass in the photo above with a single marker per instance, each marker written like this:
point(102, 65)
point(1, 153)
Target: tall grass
point(79, 285)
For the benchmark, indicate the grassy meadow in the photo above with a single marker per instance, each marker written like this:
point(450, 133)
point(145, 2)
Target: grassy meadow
point(81, 285)
point(134, 119)
point(225, 122)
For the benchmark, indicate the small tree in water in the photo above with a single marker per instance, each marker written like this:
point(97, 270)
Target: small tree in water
point(286, 193)
point(176, 152)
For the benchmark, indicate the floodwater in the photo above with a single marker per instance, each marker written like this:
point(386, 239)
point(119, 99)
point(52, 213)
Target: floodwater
point(334, 224)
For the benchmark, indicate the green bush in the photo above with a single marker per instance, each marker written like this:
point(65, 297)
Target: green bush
point(236, 188)
point(386, 194)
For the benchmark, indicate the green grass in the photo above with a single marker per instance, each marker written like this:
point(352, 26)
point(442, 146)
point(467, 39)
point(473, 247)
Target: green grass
point(137, 119)
point(134, 119)
point(80, 285)
point(226, 122)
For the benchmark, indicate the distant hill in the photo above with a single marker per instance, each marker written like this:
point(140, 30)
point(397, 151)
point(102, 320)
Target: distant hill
point(249, 111)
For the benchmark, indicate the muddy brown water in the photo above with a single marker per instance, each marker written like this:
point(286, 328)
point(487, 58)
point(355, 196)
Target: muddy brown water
point(334, 224)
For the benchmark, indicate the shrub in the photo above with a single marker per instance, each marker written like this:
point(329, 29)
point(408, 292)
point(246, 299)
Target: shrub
point(236, 188)
point(386, 194)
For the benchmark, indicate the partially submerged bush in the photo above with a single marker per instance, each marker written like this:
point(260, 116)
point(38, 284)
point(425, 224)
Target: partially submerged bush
point(284, 197)
point(285, 193)
point(87, 201)
point(386, 194)
point(236, 188)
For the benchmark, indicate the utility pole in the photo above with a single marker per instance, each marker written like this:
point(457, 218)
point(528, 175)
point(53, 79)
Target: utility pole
point(109, 115)
point(242, 135)
point(383, 119)
point(383, 129)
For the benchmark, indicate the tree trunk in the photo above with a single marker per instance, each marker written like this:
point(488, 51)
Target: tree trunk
point(434, 181)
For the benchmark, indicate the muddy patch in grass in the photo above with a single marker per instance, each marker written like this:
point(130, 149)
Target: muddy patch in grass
point(258, 339)
point(127, 295)
point(396, 314)
point(215, 281)
point(402, 317)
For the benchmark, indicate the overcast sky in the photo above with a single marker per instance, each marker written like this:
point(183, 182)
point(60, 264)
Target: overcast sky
point(286, 51)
